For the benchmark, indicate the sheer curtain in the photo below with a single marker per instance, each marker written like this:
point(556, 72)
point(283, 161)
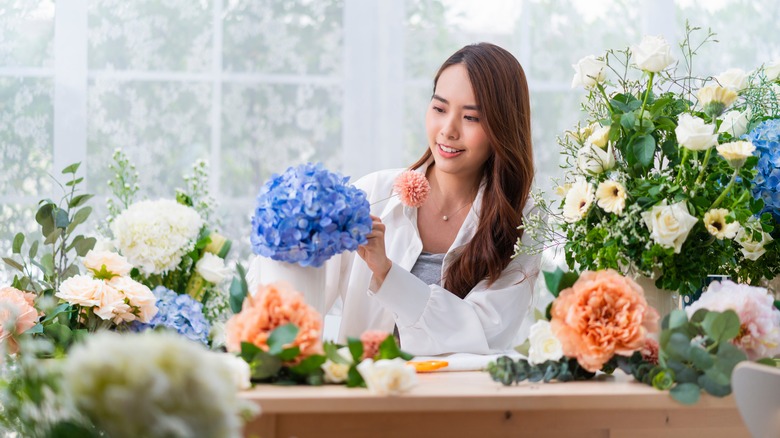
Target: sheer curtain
point(255, 86)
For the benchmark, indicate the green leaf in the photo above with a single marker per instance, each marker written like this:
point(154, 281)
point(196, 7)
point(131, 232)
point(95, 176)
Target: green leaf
point(71, 169)
point(728, 357)
point(62, 308)
point(79, 200)
point(332, 353)
point(715, 383)
point(45, 218)
point(84, 245)
point(238, 289)
point(701, 359)
point(74, 182)
point(37, 329)
point(280, 337)
point(721, 327)
point(14, 264)
point(81, 216)
point(61, 219)
point(354, 379)
point(33, 249)
point(71, 429)
point(677, 318)
point(686, 393)
point(70, 271)
point(355, 349)
point(60, 333)
point(627, 121)
point(265, 366)
point(643, 148)
point(249, 351)
point(309, 365)
point(678, 347)
point(699, 316)
point(47, 264)
point(558, 280)
point(53, 236)
point(663, 379)
point(388, 349)
point(17, 245)
point(289, 354)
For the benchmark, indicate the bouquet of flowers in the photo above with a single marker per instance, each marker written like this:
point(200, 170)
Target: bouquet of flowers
point(662, 180)
point(307, 215)
point(278, 334)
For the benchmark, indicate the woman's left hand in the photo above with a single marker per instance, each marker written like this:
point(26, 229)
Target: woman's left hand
point(374, 253)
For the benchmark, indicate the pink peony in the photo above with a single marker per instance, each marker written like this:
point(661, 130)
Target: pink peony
point(650, 351)
point(272, 306)
point(759, 334)
point(19, 306)
point(412, 187)
point(371, 340)
point(601, 315)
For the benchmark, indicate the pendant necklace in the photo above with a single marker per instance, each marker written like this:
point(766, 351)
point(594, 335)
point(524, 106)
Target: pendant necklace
point(446, 217)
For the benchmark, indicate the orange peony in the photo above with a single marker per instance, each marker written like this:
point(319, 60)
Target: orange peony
point(272, 306)
point(20, 306)
point(601, 315)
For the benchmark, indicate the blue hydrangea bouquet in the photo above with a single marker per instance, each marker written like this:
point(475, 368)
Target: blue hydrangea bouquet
point(308, 214)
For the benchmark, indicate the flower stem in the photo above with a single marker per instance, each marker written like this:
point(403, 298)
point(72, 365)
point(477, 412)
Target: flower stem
point(647, 94)
point(726, 191)
point(606, 99)
point(703, 166)
point(682, 162)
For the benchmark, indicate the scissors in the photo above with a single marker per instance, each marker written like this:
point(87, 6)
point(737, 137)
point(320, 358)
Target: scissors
point(428, 365)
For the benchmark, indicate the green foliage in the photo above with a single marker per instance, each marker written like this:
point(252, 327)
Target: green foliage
point(508, 371)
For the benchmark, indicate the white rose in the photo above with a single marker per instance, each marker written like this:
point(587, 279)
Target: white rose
point(669, 225)
point(588, 72)
point(212, 268)
point(577, 201)
point(734, 79)
point(736, 152)
point(735, 123)
point(694, 134)
point(653, 54)
point(600, 136)
point(772, 71)
point(239, 370)
point(544, 345)
point(337, 372)
point(387, 376)
point(592, 159)
point(752, 249)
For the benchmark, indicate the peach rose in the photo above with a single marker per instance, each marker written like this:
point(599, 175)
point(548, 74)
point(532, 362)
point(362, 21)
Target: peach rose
point(113, 306)
point(371, 340)
point(81, 290)
point(601, 315)
point(272, 306)
point(20, 306)
point(140, 298)
point(114, 263)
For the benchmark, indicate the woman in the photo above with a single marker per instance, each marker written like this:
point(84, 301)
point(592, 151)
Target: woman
point(442, 274)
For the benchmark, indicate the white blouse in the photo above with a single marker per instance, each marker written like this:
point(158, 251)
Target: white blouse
point(430, 319)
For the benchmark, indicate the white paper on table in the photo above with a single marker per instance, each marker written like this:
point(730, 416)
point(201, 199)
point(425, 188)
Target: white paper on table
point(467, 361)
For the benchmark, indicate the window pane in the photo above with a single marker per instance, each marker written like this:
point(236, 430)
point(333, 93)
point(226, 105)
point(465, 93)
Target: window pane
point(27, 34)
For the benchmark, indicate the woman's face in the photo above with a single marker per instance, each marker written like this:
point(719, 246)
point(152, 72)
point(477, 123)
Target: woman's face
point(456, 136)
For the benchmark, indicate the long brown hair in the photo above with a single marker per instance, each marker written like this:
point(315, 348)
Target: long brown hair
point(501, 91)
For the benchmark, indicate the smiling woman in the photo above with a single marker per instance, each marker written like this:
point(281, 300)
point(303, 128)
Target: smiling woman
point(442, 274)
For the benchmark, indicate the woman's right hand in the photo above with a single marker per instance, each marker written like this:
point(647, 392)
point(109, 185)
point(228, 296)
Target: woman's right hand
point(373, 252)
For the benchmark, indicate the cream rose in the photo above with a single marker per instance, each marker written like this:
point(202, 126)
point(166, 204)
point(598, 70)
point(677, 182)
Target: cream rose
point(544, 345)
point(653, 54)
point(734, 79)
point(113, 306)
point(669, 225)
point(736, 152)
point(752, 249)
point(114, 263)
point(577, 201)
point(387, 376)
point(138, 295)
point(588, 72)
point(212, 268)
point(693, 134)
point(81, 290)
point(715, 222)
point(594, 160)
point(337, 372)
point(735, 123)
point(611, 196)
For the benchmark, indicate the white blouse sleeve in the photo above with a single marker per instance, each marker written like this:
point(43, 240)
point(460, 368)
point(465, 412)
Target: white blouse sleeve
point(432, 320)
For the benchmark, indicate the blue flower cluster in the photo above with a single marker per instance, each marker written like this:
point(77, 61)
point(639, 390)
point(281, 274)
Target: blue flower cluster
point(766, 185)
point(179, 312)
point(307, 215)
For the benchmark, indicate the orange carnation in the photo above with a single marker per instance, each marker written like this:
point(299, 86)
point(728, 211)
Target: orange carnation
point(20, 306)
point(272, 306)
point(371, 340)
point(601, 315)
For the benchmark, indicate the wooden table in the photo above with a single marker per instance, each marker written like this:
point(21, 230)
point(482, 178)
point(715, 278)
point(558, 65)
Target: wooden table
point(470, 404)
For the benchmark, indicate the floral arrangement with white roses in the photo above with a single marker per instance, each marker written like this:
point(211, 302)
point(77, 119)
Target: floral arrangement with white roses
point(600, 321)
point(661, 179)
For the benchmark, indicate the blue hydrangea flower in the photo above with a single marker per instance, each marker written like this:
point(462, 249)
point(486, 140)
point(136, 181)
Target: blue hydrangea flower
point(766, 185)
point(307, 215)
point(179, 312)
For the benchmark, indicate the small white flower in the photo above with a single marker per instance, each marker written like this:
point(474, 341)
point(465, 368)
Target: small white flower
point(669, 225)
point(772, 71)
point(582, 134)
point(388, 376)
point(600, 136)
point(715, 222)
point(611, 196)
point(544, 345)
point(752, 249)
point(594, 160)
point(714, 99)
point(562, 190)
point(736, 152)
point(653, 54)
point(735, 123)
point(212, 268)
point(693, 134)
point(734, 79)
point(577, 201)
point(337, 372)
point(588, 72)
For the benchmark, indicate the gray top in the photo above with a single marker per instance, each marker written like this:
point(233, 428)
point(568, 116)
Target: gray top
point(428, 268)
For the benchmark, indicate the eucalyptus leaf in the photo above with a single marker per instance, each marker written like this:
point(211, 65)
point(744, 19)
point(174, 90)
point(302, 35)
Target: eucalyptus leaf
point(53, 236)
point(721, 327)
point(677, 318)
point(80, 217)
point(17, 244)
point(710, 382)
point(61, 219)
point(70, 271)
point(238, 289)
point(686, 393)
point(33, 249)
point(79, 200)
point(728, 357)
point(71, 168)
point(678, 347)
point(701, 359)
point(280, 337)
point(45, 218)
point(56, 312)
point(84, 245)
point(14, 264)
point(74, 182)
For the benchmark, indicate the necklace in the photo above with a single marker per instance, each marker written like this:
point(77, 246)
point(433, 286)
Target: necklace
point(446, 217)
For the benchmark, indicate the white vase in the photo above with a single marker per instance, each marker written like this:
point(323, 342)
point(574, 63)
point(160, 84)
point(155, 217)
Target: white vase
point(307, 280)
point(663, 301)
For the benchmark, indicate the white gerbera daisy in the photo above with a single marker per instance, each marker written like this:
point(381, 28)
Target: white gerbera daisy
point(611, 197)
